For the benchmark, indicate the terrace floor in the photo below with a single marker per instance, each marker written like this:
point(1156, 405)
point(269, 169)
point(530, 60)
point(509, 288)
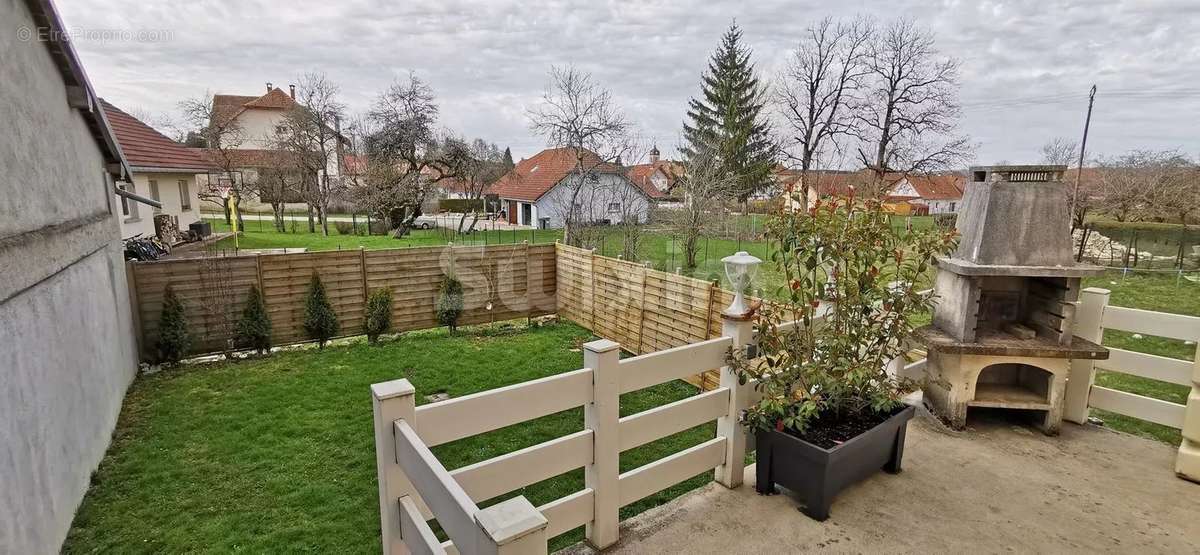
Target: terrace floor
point(998, 486)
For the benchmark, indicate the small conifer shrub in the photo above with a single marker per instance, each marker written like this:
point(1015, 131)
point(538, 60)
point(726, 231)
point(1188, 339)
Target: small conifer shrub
point(379, 314)
point(450, 302)
point(320, 322)
point(173, 338)
point(254, 329)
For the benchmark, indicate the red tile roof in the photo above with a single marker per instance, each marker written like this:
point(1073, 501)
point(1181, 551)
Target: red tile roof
point(938, 187)
point(641, 175)
point(146, 148)
point(226, 106)
point(536, 176)
point(248, 158)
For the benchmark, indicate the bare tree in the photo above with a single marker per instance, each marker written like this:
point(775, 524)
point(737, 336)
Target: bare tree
point(577, 113)
point(703, 187)
point(223, 138)
point(909, 117)
point(278, 180)
point(483, 165)
point(406, 155)
point(311, 133)
point(1060, 151)
point(1143, 183)
point(817, 88)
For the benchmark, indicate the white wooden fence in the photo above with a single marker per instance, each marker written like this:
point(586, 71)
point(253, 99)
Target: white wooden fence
point(414, 486)
point(1093, 317)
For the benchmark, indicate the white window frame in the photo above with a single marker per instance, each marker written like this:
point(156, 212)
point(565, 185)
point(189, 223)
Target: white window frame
point(185, 196)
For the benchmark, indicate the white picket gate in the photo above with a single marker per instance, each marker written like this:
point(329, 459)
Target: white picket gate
point(414, 486)
point(1093, 317)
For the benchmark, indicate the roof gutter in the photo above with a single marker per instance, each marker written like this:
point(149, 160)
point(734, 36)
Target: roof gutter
point(136, 197)
point(80, 94)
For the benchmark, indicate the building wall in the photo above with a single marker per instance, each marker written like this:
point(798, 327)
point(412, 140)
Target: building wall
point(168, 194)
point(67, 352)
point(594, 199)
point(258, 126)
point(944, 206)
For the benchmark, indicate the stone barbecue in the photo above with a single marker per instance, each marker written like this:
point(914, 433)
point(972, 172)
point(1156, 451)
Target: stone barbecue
point(1002, 333)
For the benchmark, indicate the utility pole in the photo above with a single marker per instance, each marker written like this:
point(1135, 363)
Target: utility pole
point(1082, 147)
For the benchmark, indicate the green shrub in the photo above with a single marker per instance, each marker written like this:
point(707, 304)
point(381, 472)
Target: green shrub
point(320, 322)
point(460, 204)
point(173, 338)
point(945, 221)
point(344, 228)
point(379, 314)
point(254, 329)
point(449, 302)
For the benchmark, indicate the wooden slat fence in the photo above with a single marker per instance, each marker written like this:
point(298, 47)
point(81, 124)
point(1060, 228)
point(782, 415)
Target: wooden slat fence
point(500, 282)
point(643, 309)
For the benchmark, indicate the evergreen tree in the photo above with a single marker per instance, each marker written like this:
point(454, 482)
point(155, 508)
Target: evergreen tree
point(254, 329)
point(379, 314)
point(173, 338)
point(320, 322)
point(508, 161)
point(726, 119)
point(450, 302)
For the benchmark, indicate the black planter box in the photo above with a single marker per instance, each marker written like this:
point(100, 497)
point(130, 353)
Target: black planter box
point(816, 475)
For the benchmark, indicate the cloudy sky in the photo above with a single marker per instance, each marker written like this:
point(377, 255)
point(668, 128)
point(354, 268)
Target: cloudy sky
point(1027, 64)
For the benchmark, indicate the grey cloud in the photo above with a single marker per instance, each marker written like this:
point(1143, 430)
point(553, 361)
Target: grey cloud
point(488, 60)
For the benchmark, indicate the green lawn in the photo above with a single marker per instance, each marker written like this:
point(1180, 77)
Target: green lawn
point(276, 455)
point(262, 235)
point(1158, 292)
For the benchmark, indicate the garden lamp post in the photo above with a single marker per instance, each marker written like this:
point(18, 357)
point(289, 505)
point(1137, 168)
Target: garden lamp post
point(740, 268)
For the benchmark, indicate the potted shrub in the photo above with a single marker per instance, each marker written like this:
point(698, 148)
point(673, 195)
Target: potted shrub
point(831, 414)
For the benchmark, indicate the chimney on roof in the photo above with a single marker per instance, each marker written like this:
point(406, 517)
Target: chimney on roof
point(654, 154)
point(268, 86)
point(292, 89)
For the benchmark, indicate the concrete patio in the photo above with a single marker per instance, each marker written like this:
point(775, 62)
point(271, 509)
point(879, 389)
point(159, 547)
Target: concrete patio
point(997, 487)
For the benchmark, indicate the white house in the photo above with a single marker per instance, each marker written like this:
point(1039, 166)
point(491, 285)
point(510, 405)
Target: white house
point(163, 170)
point(538, 191)
point(258, 120)
point(941, 193)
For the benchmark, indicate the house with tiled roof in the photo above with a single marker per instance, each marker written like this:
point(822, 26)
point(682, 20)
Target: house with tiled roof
point(929, 193)
point(258, 120)
point(163, 170)
point(538, 191)
point(658, 178)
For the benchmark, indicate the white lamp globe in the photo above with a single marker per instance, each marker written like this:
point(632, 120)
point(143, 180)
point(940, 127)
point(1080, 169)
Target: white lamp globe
point(740, 269)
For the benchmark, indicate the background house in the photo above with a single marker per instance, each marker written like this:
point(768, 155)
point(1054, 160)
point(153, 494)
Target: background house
point(258, 120)
point(659, 177)
point(67, 347)
point(162, 170)
point(538, 191)
point(932, 194)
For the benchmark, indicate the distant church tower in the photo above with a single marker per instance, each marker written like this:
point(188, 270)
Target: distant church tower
point(654, 154)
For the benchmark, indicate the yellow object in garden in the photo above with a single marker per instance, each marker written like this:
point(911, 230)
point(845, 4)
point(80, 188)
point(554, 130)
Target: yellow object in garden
point(233, 217)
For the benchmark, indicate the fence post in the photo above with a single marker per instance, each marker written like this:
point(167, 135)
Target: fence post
point(391, 401)
point(1088, 317)
point(1187, 463)
point(602, 416)
point(729, 426)
point(513, 527)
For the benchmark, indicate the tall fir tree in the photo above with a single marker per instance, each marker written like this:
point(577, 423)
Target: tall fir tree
point(726, 119)
point(508, 160)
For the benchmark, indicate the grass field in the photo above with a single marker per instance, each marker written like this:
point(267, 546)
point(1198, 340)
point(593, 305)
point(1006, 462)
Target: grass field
point(276, 455)
point(261, 235)
point(1149, 291)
